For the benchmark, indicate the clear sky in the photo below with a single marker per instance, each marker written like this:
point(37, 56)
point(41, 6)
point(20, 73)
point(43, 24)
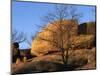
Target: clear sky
point(25, 16)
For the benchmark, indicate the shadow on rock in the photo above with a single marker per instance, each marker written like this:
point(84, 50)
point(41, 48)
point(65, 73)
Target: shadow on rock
point(47, 66)
point(74, 64)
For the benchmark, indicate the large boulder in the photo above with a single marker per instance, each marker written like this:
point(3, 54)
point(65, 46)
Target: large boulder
point(42, 43)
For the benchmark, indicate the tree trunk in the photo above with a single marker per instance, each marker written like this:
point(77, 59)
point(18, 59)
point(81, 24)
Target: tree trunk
point(66, 56)
point(63, 57)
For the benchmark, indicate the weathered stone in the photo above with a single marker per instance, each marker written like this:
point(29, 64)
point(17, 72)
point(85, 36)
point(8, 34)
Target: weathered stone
point(52, 32)
point(82, 41)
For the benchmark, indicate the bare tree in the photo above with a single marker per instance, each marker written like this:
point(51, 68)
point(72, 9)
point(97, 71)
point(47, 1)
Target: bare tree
point(18, 36)
point(61, 37)
point(32, 37)
point(29, 41)
point(74, 14)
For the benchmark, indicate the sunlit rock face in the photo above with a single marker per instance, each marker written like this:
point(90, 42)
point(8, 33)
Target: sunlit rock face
point(82, 41)
point(42, 43)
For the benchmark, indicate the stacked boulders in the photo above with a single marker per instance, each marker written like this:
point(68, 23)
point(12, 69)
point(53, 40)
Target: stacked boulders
point(85, 39)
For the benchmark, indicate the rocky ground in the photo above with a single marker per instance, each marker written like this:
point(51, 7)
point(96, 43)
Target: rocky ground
point(78, 60)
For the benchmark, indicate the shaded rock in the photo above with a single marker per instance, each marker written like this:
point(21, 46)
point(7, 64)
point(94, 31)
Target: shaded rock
point(23, 68)
point(85, 54)
point(80, 62)
point(46, 66)
point(37, 66)
point(87, 28)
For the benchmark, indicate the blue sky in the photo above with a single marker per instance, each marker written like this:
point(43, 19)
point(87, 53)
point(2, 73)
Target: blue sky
point(25, 16)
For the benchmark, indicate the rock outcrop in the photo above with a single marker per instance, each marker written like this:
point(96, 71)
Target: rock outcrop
point(41, 44)
point(79, 59)
point(82, 36)
point(87, 28)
